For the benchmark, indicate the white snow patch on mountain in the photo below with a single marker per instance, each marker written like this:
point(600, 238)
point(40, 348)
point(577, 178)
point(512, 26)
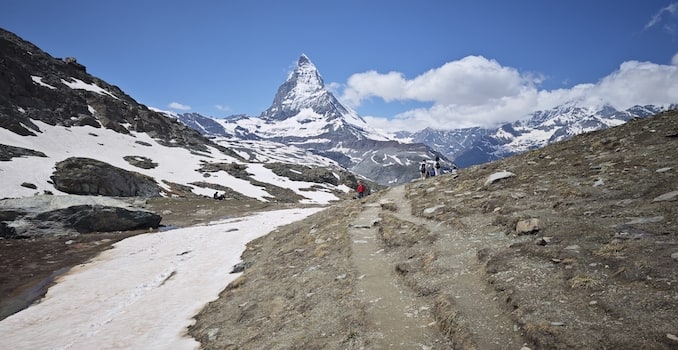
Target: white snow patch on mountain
point(175, 164)
point(79, 84)
point(38, 80)
point(534, 138)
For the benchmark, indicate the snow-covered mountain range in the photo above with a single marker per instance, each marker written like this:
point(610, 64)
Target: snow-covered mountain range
point(473, 146)
point(305, 115)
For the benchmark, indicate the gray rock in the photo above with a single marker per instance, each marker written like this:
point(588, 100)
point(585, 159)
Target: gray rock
point(87, 176)
point(53, 215)
point(7, 231)
point(528, 226)
point(498, 176)
point(140, 162)
point(667, 197)
point(97, 218)
point(674, 256)
point(9, 152)
point(647, 220)
point(29, 185)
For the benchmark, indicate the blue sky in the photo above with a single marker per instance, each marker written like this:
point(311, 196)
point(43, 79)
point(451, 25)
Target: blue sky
point(400, 64)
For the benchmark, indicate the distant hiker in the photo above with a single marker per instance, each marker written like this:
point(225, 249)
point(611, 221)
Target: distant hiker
point(361, 189)
point(431, 170)
point(422, 169)
point(437, 166)
point(219, 196)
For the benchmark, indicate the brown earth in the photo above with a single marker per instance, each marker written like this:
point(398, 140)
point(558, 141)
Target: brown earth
point(444, 259)
point(594, 271)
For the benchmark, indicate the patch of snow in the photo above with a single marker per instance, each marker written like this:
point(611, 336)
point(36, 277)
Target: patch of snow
point(161, 281)
point(498, 176)
point(38, 80)
point(81, 85)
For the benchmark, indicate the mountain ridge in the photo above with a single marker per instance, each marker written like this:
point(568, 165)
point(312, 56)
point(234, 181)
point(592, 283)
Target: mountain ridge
point(306, 115)
point(53, 112)
point(473, 146)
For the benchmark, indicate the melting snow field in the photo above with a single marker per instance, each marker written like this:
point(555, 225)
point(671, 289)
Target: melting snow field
point(143, 293)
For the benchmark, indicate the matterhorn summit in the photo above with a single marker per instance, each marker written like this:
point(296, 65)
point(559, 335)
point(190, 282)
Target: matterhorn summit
point(303, 100)
point(304, 87)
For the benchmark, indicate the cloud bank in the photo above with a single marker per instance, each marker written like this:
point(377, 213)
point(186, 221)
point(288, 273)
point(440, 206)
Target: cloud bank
point(476, 91)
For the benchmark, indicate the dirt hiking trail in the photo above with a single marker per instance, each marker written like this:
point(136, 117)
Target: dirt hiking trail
point(406, 320)
point(396, 318)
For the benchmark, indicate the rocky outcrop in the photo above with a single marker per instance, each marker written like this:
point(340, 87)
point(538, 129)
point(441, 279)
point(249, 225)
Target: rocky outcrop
point(37, 86)
point(9, 152)
point(98, 218)
point(78, 219)
point(40, 216)
point(141, 162)
point(86, 176)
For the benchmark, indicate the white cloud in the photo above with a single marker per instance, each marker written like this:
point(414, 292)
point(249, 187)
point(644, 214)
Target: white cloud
point(671, 9)
point(674, 60)
point(179, 106)
point(223, 108)
point(475, 91)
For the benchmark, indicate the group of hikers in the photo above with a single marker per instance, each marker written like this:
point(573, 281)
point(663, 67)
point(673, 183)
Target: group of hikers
point(427, 169)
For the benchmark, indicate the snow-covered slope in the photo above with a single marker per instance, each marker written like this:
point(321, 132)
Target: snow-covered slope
point(175, 165)
point(58, 111)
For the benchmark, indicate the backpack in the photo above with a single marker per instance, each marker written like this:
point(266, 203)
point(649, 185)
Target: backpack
point(423, 167)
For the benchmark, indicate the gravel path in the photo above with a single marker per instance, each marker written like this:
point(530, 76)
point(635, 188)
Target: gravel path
point(477, 312)
point(396, 318)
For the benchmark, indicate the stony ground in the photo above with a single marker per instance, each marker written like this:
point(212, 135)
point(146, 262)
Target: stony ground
point(576, 249)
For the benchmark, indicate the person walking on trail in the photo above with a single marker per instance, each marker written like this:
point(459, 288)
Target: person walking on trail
point(422, 169)
point(437, 166)
point(361, 189)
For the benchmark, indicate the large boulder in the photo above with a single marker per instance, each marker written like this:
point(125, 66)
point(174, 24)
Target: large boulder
point(98, 218)
point(87, 176)
point(55, 215)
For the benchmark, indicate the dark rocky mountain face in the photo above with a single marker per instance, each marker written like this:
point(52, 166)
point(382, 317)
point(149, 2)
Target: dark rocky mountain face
point(37, 86)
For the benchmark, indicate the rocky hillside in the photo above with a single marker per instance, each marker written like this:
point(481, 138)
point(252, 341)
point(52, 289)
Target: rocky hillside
point(64, 131)
point(573, 246)
point(36, 86)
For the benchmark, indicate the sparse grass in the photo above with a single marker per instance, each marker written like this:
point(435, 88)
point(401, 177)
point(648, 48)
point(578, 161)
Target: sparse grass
point(584, 281)
point(390, 206)
point(613, 249)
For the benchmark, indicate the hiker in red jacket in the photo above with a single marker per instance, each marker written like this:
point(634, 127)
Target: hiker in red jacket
point(361, 189)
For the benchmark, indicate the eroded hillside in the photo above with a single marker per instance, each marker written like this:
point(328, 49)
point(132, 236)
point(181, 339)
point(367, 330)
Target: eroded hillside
point(575, 244)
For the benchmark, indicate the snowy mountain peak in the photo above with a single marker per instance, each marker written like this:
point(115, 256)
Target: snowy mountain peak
point(304, 107)
point(306, 76)
point(304, 88)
